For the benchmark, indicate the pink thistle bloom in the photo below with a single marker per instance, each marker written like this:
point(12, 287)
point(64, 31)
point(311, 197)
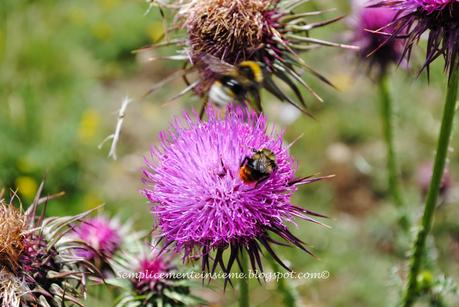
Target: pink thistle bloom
point(101, 235)
point(440, 18)
point(200, 201)
point(155, 281)
point(150, 274)
point(372, 48)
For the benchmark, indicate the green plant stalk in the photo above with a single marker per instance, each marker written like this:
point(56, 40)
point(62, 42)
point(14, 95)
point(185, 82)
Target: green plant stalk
point(244, 283)
point(432, 195)
point(387, 117)
point(282, 286)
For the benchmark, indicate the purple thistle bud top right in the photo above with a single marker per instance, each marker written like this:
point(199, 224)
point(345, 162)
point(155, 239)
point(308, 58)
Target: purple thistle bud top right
point(440, 18)
point(373, 49)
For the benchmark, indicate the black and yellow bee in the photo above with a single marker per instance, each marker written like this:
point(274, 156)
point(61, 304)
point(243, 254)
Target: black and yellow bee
point(242, 83)
point(258, 167)
point(235, 83)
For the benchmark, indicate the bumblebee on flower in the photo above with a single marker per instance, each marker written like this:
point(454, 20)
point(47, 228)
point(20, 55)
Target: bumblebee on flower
point(223, 184)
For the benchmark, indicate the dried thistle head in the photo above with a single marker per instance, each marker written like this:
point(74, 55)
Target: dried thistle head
point(268, 32)
point(12, 225)
point(227, 29)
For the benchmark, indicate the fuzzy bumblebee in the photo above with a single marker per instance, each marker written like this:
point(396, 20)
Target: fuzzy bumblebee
point(258, 167)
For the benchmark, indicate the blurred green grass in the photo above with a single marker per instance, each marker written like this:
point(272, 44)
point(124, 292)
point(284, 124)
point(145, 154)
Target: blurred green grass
point(66, 66)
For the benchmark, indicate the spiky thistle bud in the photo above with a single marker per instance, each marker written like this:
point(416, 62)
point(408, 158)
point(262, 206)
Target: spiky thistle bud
point(268, 32)
point(205, 197)
point(38, 268)
point(154, 281)
point(440, 18)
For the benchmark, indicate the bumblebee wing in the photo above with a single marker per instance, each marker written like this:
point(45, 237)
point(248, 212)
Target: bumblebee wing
point(218, 66)
point(271, 87)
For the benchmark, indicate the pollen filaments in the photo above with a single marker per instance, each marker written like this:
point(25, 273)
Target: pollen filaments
point(268, 32)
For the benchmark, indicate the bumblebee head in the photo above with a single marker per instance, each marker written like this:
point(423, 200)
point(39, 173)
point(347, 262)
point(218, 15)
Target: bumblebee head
point(268, 154)
point(264, 153)
point(251, 70)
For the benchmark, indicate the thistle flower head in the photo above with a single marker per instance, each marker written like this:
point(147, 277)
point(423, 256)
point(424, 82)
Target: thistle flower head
point(440, 18)
point(201, 202)
point(37, 266)
point(372, 48)
point(265, 31)
point(149, 274)
point(101, 234)
point(105, 240)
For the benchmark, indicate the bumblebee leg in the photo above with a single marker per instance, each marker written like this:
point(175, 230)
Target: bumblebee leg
point(261, 181)
point(203, 108)
point(243, 161)
point(256, 95)
point(225, 170)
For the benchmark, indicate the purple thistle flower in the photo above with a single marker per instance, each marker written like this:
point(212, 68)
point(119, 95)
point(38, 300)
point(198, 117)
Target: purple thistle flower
point(372, 48)
point(101, 234)
point(199, 200)
point(415, 17)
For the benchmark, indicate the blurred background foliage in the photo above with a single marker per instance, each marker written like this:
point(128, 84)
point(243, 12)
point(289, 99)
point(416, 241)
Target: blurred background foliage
point(65, 67)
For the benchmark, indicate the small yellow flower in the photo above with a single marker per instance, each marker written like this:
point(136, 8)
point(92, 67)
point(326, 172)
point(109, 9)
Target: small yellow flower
point(27, 186)
point(102, 31)
point(89, 124)
point(91, 201)
point(155, 31)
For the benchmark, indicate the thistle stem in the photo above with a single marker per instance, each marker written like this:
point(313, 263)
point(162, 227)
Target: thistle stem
point(282, 286)
point(432, 195)
point(387, 116)
point(244, 283)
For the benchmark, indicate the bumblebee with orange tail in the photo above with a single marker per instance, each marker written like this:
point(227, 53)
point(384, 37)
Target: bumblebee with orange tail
point(258, 167)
